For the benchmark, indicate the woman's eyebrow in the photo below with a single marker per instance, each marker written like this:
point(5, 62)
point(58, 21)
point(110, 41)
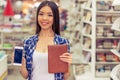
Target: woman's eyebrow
point(41, 12)
point(44, 12)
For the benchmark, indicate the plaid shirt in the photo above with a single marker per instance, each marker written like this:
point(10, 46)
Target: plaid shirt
point(29, 47)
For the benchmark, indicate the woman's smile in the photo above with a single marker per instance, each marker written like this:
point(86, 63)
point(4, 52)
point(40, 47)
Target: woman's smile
point(44, 23)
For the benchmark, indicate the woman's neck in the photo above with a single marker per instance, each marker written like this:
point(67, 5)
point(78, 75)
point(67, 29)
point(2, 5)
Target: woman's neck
point(44, 33)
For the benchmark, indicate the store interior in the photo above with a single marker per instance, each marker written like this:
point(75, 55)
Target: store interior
point(91, 26)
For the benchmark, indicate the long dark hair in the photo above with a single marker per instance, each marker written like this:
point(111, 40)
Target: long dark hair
point(55, 11)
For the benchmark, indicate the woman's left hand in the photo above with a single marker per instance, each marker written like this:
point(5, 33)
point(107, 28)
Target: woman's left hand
point(66, 57)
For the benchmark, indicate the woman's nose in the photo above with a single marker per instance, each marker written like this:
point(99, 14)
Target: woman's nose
point(44, 17)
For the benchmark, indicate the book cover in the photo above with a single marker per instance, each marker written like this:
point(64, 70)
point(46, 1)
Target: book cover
point(55, 65)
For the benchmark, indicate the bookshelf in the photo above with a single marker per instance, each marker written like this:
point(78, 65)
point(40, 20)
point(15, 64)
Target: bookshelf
point(98, 39)
point(106, 39)
point(87, 41)
point(72, 31)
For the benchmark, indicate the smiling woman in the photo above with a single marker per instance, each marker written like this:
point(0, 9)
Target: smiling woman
point(45, 17)
point(35, 62)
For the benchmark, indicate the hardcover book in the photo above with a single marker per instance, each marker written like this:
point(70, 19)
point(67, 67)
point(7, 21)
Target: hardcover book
point(55, 65)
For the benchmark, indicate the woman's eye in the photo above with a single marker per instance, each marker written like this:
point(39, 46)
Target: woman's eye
point(50, 15)
point(40, 13)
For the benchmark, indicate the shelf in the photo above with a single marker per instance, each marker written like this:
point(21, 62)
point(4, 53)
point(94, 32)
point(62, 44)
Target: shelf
point(87, 8)
point(12, 31)
point(103, 50)
point(3, 65)
point(81, 0)
point(81, 63)
point(103, 0)
point(107, 37)
point(108, 12)
point(11, 37)
point(103, 74)
point(107, 63)
point(102, 78)
point(89, 22)
point(6, 48)
point(85, 76)
point(88, 50)
point(103, 24)
point(87, 35)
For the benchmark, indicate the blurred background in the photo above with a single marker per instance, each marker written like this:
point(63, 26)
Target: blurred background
point(91, 26)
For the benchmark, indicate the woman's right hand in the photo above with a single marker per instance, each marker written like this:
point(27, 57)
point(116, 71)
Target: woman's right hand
point(23, 63)
point(23, 69)
point(12, 58)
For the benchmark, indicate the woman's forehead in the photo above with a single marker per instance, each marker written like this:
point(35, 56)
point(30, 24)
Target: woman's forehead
point(46, 9)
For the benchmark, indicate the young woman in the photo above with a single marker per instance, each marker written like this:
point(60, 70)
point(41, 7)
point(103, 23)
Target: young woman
point(35, 63)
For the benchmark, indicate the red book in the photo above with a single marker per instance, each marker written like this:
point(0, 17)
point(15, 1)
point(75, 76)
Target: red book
point(55, 65)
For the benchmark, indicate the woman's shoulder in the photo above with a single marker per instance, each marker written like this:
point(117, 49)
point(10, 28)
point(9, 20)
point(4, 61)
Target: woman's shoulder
point(61, 39)
point(31, 39)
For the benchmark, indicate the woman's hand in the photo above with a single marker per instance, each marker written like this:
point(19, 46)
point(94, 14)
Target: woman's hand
point(23, 69)
point(12, 57)
point(66, 57)
point(23, 63)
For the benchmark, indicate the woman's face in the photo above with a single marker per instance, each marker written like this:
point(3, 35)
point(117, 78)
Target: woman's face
point(45, 17)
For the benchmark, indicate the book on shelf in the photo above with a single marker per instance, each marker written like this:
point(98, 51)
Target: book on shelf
point(87, 43)
point(108, 20)
point(88, 16)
